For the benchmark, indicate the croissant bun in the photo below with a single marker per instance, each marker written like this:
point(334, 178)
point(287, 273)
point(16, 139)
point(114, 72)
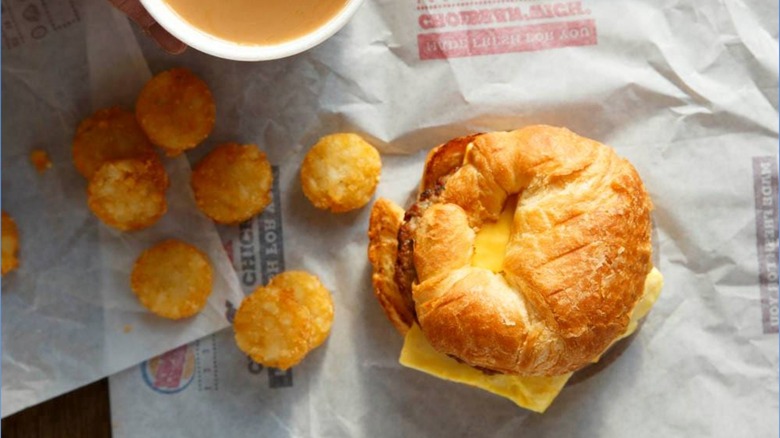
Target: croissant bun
point(574, 267)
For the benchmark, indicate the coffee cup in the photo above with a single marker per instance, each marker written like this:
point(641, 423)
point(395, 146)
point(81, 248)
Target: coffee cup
point(202, 29)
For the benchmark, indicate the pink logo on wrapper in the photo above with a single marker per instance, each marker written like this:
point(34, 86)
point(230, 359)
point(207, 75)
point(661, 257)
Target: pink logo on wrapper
point(463, 28)
point(170, 372)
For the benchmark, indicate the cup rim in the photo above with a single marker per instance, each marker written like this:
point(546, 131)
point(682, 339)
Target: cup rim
point(221, 48)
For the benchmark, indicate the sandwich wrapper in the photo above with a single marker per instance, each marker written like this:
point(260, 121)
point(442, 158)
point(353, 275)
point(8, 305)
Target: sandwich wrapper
point(68, 314)
point(686, 91)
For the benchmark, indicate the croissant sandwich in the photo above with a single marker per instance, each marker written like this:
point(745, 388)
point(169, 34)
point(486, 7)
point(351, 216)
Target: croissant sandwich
point(526, 255)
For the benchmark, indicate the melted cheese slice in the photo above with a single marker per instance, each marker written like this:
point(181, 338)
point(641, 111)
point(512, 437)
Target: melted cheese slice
point(491, 240)
point(654, 282)
point(533, 393)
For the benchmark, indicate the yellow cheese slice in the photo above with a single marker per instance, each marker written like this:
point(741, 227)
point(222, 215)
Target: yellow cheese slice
point(654, 282)
point(533, 393)
point(491, 240)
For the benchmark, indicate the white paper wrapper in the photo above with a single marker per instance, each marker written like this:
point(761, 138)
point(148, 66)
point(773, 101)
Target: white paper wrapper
point(687, 91)
point(68, 314)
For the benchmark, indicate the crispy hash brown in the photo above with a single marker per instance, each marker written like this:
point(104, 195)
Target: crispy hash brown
point(273, 328)
point(340, 173)
point(172, 279)
point(176, 110)
point(279, 324)
point(109, 134)
point(129, 194)
point(232, 183)
point(10, 234)
point(308, 291)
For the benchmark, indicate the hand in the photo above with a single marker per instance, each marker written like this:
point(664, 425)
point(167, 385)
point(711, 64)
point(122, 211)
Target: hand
point(136, 12)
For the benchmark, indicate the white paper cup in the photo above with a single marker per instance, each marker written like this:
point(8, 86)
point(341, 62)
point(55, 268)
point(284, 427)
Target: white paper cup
point(207, 43)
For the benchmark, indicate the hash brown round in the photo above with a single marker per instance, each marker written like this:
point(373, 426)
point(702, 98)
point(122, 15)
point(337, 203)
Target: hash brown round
point(176, 110)
point(340, 173)
point(172, 279)
point(279, 324)
point(232, 183)
point(107, 135)
point(10, 244)
point(129, 194)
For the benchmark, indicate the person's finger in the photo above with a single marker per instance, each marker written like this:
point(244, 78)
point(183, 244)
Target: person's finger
point(136, 12)
point(168, 42)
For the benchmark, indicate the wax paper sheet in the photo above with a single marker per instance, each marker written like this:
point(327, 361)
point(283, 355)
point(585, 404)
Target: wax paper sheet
point(68, 314)
point(686, 90)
